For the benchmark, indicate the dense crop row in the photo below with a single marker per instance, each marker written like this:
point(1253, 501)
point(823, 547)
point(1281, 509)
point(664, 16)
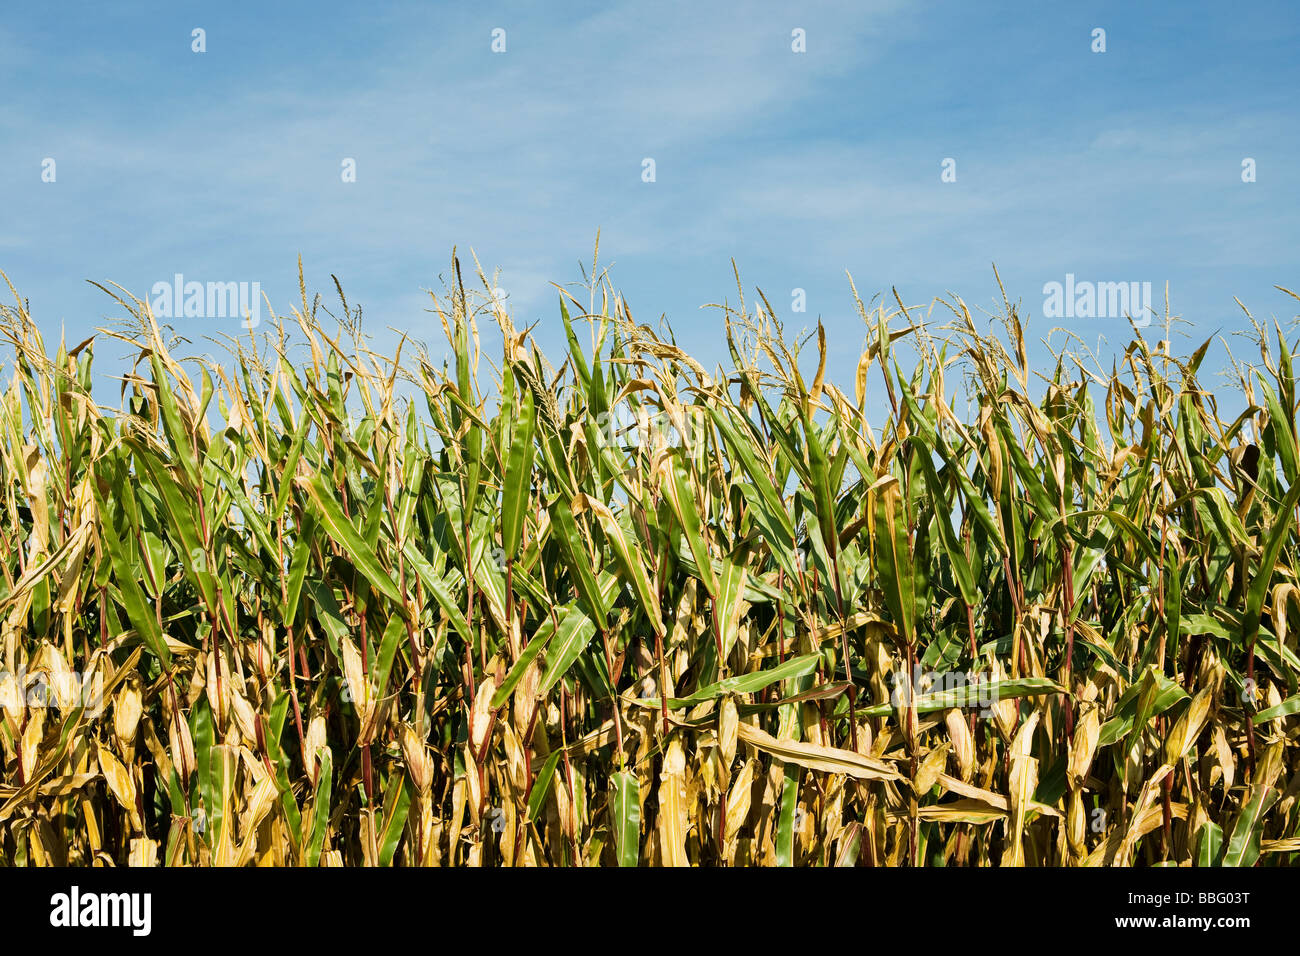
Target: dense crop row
point(326, 606)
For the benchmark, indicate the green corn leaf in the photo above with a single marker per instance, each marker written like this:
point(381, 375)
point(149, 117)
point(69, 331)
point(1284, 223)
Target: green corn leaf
point(1244, 844)
point(397, 805)
point(346, 536)
point(579, 562)
point(744, 683)
point(625, 817)
point(518, 479)
point(681, 496)
point(127, 575)
point(1209, 845)
point(571, 638)
point(893, 554)
point(320, 812)
point(542, 785)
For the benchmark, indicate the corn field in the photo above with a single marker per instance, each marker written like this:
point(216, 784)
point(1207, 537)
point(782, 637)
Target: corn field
point(321, 606)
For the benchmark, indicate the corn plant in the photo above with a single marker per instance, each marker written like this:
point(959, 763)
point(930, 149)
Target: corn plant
point(320, 605)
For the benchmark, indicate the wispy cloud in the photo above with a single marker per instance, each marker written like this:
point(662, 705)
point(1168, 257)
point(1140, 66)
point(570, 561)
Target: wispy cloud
point(227, 164)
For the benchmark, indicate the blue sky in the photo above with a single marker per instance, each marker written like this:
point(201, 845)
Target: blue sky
point(225, 166)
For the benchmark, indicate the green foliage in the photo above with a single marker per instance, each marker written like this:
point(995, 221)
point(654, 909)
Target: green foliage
point(344, 608)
